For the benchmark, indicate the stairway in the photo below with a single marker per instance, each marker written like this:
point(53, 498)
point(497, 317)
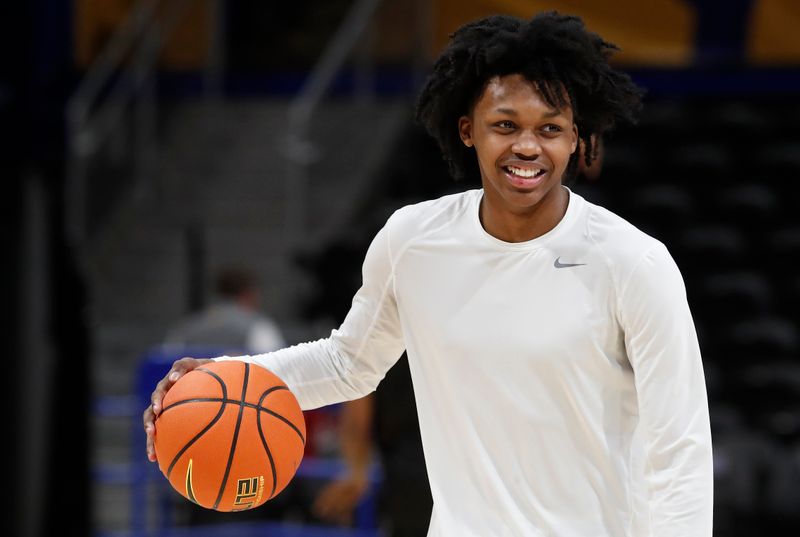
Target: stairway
point(221, 171)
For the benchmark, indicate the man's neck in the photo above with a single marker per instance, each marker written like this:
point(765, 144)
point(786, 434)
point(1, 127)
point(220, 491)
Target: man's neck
point(525, 225)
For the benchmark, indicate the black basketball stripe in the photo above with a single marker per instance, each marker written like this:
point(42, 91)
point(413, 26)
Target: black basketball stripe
point(273, 413)
point(197, 400)
point(286, 421)
point(273, 389)
point(207, 427)
point(266, 447)
point(207, 400)
point(225, 400)
point(235, 436)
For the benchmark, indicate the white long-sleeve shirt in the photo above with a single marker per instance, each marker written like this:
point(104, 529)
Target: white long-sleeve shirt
point(559, 383)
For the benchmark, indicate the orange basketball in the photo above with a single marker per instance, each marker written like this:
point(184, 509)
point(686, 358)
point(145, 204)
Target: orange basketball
point(230, 436)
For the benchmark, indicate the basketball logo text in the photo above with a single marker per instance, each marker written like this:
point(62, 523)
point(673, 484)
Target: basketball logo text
point(249, 492)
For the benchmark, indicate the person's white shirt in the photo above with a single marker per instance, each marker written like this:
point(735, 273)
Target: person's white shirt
point(227, 325)
point(559, 383)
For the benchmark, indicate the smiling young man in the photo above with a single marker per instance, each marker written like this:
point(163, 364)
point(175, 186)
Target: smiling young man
point(558, 379)
point(523, 145)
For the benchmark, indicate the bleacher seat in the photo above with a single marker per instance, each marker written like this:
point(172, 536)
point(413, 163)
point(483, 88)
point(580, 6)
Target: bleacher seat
point(624, 165)
point(701, 250)
point(661, 210)
point(729, 297)
point(741, 459)
point(774, 336)
point(778, 163)
point(754, 207)
point(782, 489)
point(702, 166)
point(783, 251)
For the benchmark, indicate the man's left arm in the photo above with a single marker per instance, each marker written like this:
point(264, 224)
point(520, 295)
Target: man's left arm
point(662, 347)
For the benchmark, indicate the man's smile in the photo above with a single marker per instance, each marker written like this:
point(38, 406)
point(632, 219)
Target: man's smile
point(524, 172)
point(524, 176)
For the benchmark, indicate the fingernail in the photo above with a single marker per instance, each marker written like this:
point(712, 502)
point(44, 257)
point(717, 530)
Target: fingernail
point(174, 376)
point(156, 408)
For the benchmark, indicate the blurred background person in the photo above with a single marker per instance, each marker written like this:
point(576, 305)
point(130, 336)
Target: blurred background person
point(233, 321)
point(381, 429)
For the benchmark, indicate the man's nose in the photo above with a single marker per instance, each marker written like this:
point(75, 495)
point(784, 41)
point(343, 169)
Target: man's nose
point(526, 144)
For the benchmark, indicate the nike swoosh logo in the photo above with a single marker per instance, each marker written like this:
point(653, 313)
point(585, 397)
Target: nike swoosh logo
point(189, 485)
point(559, 264)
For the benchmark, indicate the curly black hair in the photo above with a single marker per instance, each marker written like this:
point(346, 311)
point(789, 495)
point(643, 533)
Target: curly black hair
point(568, 63)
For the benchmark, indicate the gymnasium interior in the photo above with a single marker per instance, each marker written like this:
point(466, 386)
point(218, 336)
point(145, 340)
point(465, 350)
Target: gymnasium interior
point(147, 143)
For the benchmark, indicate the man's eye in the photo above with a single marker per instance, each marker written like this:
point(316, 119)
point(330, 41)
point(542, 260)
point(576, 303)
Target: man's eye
point(505, 124)
point(551, 128)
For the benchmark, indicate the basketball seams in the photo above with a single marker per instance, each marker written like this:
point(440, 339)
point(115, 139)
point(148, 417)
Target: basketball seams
point(254, 406)
point(195, 439)
point(216, 377)
point(266, 446)
point(235, 437)
point(198, 400)
point(207, 427)
point(257, 407)
point(269, 391)
point(275, 414)
point(286, 421)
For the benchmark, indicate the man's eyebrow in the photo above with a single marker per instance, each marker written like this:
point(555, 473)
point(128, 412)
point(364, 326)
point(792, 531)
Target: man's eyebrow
point(511, 112)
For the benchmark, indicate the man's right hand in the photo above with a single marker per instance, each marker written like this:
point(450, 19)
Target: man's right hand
point(178, 369)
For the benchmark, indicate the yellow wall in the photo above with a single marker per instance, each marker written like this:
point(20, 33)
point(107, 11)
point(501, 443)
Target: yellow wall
point(96, 21)
point(651, 32)
point(774, 36)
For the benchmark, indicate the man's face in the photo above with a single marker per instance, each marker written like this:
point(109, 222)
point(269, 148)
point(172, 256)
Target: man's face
point(522, 143)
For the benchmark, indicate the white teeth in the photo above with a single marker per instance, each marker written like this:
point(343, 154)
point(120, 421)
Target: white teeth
point(524, 172)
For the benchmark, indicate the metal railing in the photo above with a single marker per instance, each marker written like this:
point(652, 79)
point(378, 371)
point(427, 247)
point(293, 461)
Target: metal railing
point(301, 152)
point(122, 80)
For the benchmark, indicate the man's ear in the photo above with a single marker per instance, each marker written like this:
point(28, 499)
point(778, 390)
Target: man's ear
point(575, 138)
point(465, 130)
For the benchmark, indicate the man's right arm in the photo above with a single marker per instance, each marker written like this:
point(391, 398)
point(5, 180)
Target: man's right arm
point(347, 365)
point(351, 362)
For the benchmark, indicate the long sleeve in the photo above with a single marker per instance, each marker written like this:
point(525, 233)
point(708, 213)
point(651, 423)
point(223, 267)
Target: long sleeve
point(352, 361)
point(662, 347)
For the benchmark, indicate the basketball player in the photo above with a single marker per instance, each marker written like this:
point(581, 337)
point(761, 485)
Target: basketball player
point(557, 374)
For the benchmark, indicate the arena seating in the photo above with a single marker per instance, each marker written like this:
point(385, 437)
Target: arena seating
point(715, 180)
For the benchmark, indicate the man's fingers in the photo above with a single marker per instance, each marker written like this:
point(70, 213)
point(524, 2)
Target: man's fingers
point(147, 417)
point(178, 369)
point(336, 503)
point(150, 431)
point(151, 450)
point(158, 395)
